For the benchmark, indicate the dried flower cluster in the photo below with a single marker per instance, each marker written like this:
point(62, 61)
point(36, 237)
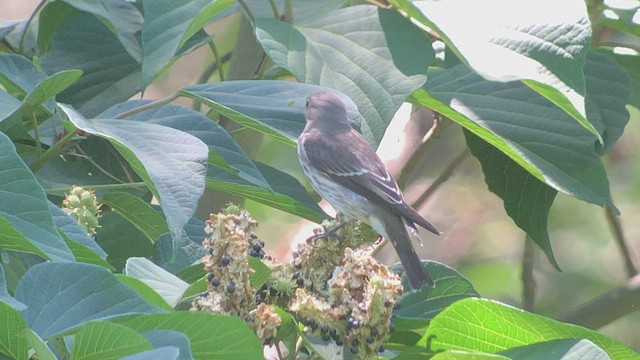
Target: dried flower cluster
point(230, 240)
point(83, 205)
point(337, 293)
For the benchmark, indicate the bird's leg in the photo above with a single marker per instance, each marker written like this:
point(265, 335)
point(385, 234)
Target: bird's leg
point(331, 232)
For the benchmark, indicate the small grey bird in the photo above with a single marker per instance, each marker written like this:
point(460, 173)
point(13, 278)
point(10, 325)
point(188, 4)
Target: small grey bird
point(346, 171)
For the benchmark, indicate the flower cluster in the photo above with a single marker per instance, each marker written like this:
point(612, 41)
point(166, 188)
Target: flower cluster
point(358, 312)
point(83, 205)
point(231, 238)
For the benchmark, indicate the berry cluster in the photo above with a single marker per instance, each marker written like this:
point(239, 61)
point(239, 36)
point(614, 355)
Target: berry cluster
point(84, 207)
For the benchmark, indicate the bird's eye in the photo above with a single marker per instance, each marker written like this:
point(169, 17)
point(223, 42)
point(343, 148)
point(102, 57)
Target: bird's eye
point(307, 103)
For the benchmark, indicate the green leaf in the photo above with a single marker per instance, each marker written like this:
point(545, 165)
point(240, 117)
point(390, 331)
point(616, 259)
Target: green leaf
point(189, 249)
point(144, 290)
point(631, 64)
point(562, 349)
point(161, 353)
point(168, 25)
point(111, 75)
point(51, 289)
point(137, 212)
point(121, 17)
point(167, 285)
point(261, 272)
point(8, 106)
point(378, 71)
point(12, 239)
point(23, 203)
point(527, 200)
point(116, 231)
point(224, 151)
point(271, 107)
point(85, 255)
point(18, 75)
point(489, 326)
point(526, 127)
point(12, 343)
point(106, 340)
point(52, 86)
point(192, 274)
point(211, 336)
point(546, 52)
point(159, 338)
point(608, 92)
point(416, 353)
point(39, 345)
point(303, 11)
point(4, 293)
point(288, 195)
point(417, 308)
point(171, 162)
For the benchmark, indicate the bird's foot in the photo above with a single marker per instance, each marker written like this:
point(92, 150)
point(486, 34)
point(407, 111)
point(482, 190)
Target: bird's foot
point(331, 233)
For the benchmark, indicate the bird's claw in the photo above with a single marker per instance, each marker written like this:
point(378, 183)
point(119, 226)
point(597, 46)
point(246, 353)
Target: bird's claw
point(331, 233)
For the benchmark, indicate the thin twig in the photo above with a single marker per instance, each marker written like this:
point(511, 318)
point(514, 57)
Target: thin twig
point(117, 156)
point(147, 106)
point(274, 9)
point(246, 9)
point(36, 132)
point(616, 227)
point(446, 174)
point(85, 156)
point(288, 11)
point(607, 307)
point(23, 36)
point(528, 281)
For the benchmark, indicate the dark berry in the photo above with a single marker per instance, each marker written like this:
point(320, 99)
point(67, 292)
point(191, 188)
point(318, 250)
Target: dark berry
point(370, 339)
point(381, 348)
point(257, 247)
point(210, 277)
point(225, 260)
point(388, 303)
point(353, 323)
point(374, 331)
point(300, 282)
point(354, 350)
point(231, 288)
point(334, 334)
point(273, 291)
point(296, 275)
point(326, 337)
point(324, 328)
point(261, 253)
point(215, 282)
point(210, 251)
point(248, 318)
point(339, 342)
point(253, 253)
point(355, 343)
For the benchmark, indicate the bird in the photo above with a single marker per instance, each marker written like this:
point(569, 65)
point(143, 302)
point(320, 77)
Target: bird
point(347, 172)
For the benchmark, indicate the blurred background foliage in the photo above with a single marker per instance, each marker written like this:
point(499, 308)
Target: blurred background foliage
point(479, 239)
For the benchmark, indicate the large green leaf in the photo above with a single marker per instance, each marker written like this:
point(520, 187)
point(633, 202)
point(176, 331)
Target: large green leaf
point(224, 151)
point(168, 25)
point(8, 106)
point(172, 162)
point(359, 50)
point(144, 290)
point(167, 285)
point(24, 204)
point(4, 294)
point(107, 340)
point(62, 296)
point(161, 353)
point(631, 64)
point(74, 231)
point(303, 11)
point(525, 126)
point(12, 239)
point(51, 86)
point(288, 195)
point(12, 343)
point(18, 75)
point(42, 350)
point(484, 325)
point(274, 108)
point(561, 349)
point(111, 75)
point(518, 41)
point(159, 338)
point(121, 17)
point(189, 249)
point(211, 336)
point(137, 212)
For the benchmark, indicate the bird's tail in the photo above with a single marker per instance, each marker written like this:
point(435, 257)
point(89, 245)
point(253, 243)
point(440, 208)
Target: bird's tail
point(396, 232)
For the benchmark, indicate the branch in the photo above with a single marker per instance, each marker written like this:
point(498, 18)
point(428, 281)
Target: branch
point(528, 281)
point(616, 227)
point(607, 307)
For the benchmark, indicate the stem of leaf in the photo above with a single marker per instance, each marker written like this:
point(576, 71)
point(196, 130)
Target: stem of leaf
point(618, 235)
point(148, 106)
point(36, 132)
point(54, 150)
point(218, 62)
point(246, 9)
point(288, 11)
point(528, 281)
point(274, 8)
point(446, 174)
point(23, 36)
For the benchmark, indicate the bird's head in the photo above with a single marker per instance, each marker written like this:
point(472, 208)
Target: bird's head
point(326, 110)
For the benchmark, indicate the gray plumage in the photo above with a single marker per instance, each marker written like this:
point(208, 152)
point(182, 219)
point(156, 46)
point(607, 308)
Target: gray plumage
point(347, 172)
